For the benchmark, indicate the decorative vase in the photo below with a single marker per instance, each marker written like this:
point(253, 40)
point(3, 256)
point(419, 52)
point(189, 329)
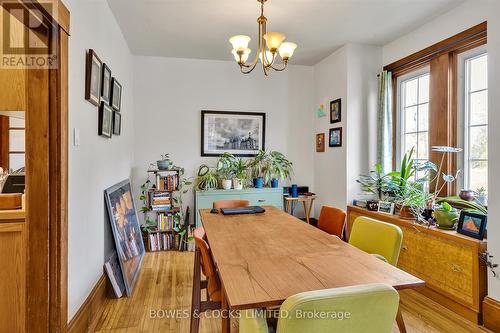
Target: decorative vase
point(237, 184)
point(446, 219)
point(467, 195)
point(226, 184)
point(275, 183)
point(258, 182)
point(295, 191)
point(163, 164)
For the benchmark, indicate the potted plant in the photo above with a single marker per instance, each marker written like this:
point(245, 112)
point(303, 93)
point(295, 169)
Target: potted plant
point(240, 170)
point(258, 167)
point(207, 178)
point(178, 218)
point(481, 195)
point(225, 169)
point(447, 179)
point(164, 163)
point(277, 168)
point(412, 200)
point(376, 182)
point(446, 216)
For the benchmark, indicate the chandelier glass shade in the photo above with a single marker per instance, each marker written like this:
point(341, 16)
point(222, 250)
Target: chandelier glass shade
point(270, 44)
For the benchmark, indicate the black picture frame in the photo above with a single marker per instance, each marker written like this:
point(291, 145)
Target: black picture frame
point(106, 83)
point(334, 139)
point(105, 127)
point(93, 68)
point(116, 94)
point(117, 123)
point(336, 111)
point(468, 222)
point(257, 119)
point(126, 232)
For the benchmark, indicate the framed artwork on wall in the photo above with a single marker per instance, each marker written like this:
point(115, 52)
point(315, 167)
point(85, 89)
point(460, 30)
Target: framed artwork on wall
point(117, 123)
point(116, 94)
point(336, 111)
point(105, 120)
point(93, 71)
point(239, 133)
point(335, 137)
point(320, 142)
point(106, 83)
point(126, 231)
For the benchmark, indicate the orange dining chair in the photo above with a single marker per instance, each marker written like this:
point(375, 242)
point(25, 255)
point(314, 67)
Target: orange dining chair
point(203, 262)
point(332, 220)
point(231, 203)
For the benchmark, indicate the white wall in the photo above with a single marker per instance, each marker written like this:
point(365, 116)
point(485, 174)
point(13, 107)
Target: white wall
point(170, 94)
point(98, 162)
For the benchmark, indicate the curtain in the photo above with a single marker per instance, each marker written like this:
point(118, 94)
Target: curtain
point(384, 121)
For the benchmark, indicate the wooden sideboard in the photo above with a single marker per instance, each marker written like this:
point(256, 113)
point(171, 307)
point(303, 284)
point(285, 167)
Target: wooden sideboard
point(447, 261)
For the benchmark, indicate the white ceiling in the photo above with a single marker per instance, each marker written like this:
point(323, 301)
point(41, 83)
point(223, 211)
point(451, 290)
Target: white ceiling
point(201, 28)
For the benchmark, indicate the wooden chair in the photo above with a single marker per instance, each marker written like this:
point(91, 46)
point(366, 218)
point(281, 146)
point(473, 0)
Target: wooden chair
point(203, 262)
point(231, 203)
point(332, 220)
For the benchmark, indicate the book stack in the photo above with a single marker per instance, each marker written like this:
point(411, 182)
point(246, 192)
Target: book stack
point(167, 182)
point(160, 201)
point(163, 241)
point(165, 221)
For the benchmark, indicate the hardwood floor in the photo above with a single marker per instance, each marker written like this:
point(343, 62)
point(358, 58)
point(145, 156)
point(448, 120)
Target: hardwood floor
point(165, 285)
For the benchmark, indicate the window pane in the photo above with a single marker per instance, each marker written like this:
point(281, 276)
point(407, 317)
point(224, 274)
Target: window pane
point(411, 120)
point(479, 73)
point(423, 117)
point(479, 108)
point(423, 89)
point(478, 175)
point(423, 146)
point(478, 142)
point(410, 142)
point(16, 161)
point(16, 140)
point(16, 122)
point(411, 92)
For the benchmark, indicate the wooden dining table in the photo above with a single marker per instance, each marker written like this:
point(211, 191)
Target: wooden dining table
point(262, 259)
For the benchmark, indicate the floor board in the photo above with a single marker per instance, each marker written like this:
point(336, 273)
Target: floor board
point(165, 285)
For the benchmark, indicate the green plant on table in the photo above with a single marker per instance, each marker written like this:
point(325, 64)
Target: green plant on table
point(258, 164)
point(446, 215)
point(468, 206)
point(447, 178)
point(178, 217)
point(225, 166)
point(414, 197)
point(207, 178)
point(240, 169)
point(277, 167)
point(376, 182)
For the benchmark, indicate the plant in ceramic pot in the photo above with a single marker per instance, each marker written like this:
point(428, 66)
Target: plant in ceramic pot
point(446, 216)
point(258, 166)
point(207, 178)
point(164, 163)
point(481, 195)
point(412, 201)
point(278, 168)
point(240, 171)
point(376, 182)
point(225, 169)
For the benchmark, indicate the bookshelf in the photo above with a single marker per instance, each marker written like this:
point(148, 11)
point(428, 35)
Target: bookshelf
point(161, 208)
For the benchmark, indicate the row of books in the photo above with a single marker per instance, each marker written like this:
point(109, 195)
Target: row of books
point(167, 182)
point(165, 221)
point(163, 241)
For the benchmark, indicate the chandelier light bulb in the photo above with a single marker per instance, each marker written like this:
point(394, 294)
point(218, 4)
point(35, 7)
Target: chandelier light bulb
point(244, 55)
point(274, 40)
point(269, 57)
point(286, 50)
point(239, 42)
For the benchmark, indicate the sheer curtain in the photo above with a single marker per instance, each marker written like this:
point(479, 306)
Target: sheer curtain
point(384, 121)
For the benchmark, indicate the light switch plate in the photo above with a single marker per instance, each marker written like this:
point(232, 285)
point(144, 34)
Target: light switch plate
point(76, 137)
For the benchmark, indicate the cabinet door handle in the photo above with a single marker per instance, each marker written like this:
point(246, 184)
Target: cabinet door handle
point(261, 200)
point(456, 268)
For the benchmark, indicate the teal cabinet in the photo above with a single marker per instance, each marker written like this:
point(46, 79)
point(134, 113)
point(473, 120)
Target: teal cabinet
point(256, 196)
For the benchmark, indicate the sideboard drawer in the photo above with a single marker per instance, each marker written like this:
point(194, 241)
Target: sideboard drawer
point(258, 199)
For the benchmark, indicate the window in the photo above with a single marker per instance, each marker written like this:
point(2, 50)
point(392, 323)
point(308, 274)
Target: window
point(16, 143)
point(474, 111)
point(414, 115)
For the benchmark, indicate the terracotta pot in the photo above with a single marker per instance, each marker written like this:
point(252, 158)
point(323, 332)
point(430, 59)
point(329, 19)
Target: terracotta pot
point(406, 213)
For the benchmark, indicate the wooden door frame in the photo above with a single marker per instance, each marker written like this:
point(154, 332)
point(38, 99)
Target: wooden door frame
point(47, 178)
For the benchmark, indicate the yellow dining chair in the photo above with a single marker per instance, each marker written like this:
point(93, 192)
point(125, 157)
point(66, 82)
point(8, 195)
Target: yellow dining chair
point(369, 308)
point(378, 238)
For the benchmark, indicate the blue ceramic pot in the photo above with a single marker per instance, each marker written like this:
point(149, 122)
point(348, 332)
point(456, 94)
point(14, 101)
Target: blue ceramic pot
point(258, 182)
point(275, 183)
point(295, 191)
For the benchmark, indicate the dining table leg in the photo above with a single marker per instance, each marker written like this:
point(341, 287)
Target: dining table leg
point(400, 321)
point(226, 319)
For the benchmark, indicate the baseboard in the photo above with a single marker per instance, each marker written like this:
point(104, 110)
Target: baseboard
point(491, 314)
point(85, 319)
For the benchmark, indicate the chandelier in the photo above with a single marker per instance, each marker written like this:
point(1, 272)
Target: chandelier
point(270, 43)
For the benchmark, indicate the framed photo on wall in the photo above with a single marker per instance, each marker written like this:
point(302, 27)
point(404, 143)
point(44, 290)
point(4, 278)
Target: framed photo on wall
point(93, 71)
point(117, 123)
point(105, 120)
point(320, 142)
point(126, 231)
point(116, 94)
point(106, 83)
point(336, 111)
point(335, 137)
point(239, 133)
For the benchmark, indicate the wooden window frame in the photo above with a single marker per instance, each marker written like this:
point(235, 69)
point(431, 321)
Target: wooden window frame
point(442, 58)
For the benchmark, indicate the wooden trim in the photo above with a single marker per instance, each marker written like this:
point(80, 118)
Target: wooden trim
point(469, 36)
point(491, 314)
point(86, 317)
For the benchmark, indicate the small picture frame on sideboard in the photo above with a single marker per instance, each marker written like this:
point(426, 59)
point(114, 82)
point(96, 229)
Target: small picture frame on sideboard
point(386, 207)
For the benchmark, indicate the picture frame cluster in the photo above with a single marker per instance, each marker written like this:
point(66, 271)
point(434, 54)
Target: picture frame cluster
point(104, 91)
point(334, 134)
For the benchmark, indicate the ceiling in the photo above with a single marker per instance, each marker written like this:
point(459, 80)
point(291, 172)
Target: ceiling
point(201, 28)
